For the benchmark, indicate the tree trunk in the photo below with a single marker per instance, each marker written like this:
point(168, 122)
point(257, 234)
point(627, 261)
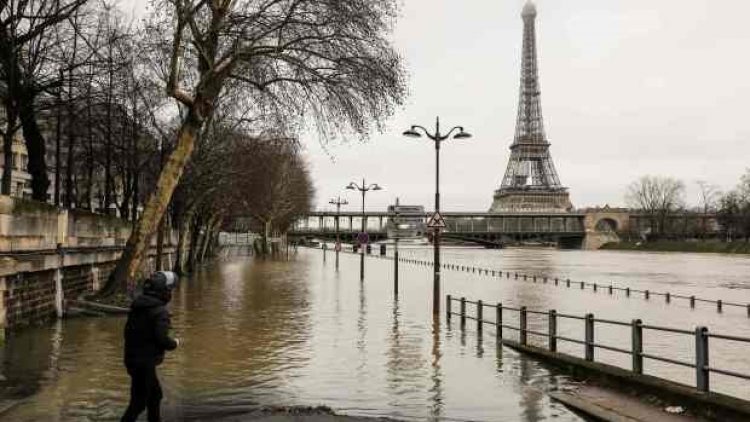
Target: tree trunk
point(179, 263)
point(7, 162)
point(90, 163)
point(212, 246)
point(208, 236)
point(195, 242)
point(123, 276)
point(58, 147)
point(11, 117)
point(35, 146)
point(160, 241)
point(266, 237)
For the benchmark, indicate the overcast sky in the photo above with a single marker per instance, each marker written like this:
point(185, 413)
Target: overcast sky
point(628, 88)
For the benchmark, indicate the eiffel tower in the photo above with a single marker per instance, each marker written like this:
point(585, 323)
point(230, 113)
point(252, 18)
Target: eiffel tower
point(530, 183)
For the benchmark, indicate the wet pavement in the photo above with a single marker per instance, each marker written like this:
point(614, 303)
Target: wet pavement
point(298, 333)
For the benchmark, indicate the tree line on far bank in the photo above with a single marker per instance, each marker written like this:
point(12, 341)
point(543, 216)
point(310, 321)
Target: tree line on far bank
point(662, 200)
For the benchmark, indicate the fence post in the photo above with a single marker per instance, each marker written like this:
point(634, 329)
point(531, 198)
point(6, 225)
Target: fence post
point(480, 313)
point(701, 358)
point(718, 306)
point(522, 323)
point(646, 294)
point(567, 283)
point(590, 337)
point(499, 321)
point(553, 330)
point(692, 301)
point(556, 285)
point(582, 285)
point(610, 289)
point(463, 312)
point(533, 279)
point(545, 280)
point(748, 311)
point(448, 302)
point(627, 291)
point(595, 287)
point(668, 298)
point(637, 346)
point(515, 276)
point(524, 277)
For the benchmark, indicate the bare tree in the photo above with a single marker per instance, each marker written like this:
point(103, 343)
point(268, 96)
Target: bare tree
point(27, 40)
point(657, 197)
point(708, 199)
point(709, 195)
point(326, 61)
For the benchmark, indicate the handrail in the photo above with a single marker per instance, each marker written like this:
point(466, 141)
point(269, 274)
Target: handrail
point(700, 334)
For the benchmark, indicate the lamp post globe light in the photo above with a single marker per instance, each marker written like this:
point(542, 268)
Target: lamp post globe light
point(457, 132)
point(338, 202)
point(363, 188)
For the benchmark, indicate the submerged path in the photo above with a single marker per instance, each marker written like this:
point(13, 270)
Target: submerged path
point(298, 333)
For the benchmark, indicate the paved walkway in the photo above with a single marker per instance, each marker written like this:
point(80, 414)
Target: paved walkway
point(614, 406)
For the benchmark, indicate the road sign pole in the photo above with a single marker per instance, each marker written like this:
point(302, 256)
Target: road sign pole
point(436, 237)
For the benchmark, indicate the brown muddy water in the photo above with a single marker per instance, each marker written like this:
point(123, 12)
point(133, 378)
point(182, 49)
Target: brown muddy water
point(296, 332)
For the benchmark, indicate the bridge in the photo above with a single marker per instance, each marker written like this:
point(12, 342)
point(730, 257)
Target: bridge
point(484, 228)
point(588, 228)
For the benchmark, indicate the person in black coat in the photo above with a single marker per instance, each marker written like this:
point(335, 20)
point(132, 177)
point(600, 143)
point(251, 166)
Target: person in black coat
point(146, 340)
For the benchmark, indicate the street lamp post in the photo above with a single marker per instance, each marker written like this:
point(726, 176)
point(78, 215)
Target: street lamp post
point(364, 188)
point(438, 138)
point(338, 202)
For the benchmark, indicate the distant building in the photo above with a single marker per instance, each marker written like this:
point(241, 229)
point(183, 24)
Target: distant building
point(409, 221)
point(20, 178)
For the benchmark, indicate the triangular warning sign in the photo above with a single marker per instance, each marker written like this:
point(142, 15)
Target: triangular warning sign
point(436, 221)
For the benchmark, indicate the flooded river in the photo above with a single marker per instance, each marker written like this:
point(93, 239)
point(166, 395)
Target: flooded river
point(296, 332)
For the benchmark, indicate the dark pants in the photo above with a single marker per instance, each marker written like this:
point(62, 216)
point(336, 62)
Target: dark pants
point(145, 391)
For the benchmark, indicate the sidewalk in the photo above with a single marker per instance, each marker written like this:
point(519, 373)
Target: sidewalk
point(612, 406)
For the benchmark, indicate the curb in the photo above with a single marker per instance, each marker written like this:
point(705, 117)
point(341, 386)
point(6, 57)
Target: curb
point(590, 409)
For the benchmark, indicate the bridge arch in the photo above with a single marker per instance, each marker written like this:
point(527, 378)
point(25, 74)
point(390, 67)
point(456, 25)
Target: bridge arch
point(606, 225)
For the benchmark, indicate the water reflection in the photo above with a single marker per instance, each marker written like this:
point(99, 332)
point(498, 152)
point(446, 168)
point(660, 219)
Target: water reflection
point(362, 333)
point(531, 398)
point(437, 377)
point(278, 332)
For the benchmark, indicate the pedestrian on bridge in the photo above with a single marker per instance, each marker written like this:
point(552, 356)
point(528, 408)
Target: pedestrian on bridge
point(146, 340)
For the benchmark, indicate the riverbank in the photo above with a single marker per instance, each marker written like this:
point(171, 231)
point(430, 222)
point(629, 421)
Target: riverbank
point(737, 247)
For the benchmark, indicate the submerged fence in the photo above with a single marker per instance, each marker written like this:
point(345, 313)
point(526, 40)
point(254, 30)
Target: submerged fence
point(701, 335)
point(646, 294)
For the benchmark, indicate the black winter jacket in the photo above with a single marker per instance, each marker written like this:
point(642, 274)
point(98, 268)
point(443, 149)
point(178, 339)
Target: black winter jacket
point(146, 332)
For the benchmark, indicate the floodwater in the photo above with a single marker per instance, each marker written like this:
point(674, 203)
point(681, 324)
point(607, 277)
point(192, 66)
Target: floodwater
point(297, 332)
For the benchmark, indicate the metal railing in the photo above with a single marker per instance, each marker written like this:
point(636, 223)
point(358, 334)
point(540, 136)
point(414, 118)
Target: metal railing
point(646, 294)
point(701, 335)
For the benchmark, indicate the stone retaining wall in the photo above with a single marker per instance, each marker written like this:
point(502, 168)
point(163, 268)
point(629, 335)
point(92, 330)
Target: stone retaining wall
point(27, 298)
point(40, 243)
